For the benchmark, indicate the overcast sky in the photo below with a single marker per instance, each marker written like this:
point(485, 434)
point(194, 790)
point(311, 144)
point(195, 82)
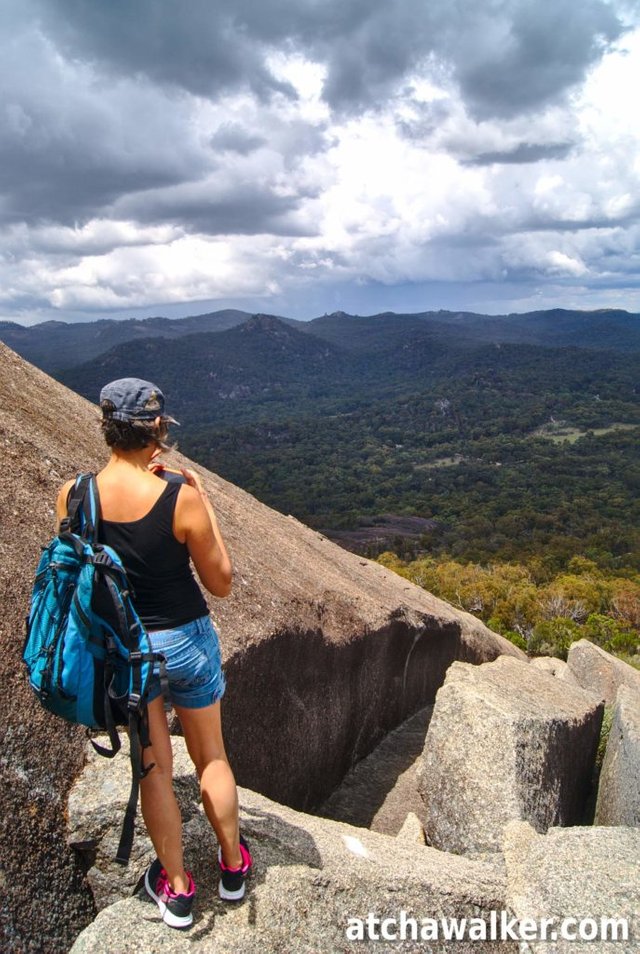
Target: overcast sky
point(306, 156)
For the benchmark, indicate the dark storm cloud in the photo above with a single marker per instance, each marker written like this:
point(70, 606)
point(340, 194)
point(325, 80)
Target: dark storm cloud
point(523, 153)
point(153, 121)
point(204, 47)
point(541, 51)
point(69, 146)
point(69, 191)
point(232, 137)
point(508, 56)
point(77, 134)
point(241, 209)
point(111, 119)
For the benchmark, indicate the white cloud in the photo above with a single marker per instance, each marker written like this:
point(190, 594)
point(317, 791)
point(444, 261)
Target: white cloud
point(131, 186)
point(97, 236)
point(188, 269)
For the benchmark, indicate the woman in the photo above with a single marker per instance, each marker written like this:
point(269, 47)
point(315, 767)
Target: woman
point(156, 526)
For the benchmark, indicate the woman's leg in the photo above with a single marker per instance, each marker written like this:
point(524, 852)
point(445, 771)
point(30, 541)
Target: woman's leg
point(160, 809)
point(203, 734)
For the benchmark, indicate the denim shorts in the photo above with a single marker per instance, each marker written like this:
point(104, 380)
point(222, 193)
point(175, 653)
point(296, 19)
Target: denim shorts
point(194, 667)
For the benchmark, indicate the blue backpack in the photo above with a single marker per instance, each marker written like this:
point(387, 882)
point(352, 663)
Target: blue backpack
point(88, 655)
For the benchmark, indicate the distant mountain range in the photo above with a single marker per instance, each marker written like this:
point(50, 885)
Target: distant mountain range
point(603, 329)
point(54, 345)
point(57, 345)
point(269, 368)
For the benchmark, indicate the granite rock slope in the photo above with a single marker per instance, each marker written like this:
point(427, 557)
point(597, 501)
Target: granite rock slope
point(324, 653)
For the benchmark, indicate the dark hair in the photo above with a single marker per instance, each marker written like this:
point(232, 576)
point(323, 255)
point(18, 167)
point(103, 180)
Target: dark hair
point(132, 435)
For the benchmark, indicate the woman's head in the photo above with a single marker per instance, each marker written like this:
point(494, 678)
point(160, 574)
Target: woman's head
point(133, 415)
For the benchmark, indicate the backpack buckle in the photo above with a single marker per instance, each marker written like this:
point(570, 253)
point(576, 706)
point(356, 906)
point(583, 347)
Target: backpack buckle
point(134, 701)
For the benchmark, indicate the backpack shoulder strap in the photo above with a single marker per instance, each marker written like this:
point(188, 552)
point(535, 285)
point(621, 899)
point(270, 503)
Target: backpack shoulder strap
point(83, 508)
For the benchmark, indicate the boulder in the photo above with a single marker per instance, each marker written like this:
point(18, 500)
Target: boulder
point(505, 742)
point(599, 671)
point(619, 789)
point(554, 666)
point(589, 873)
point(311, 875)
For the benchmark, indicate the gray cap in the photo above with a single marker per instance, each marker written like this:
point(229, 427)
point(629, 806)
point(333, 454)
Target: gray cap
point(132, 399)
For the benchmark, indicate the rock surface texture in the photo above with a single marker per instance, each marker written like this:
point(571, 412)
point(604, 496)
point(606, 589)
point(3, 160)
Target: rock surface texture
point(311, 875)
point(503, 745)
point(381, 789)
point(557, 667)
point(590, 873)
point(324, 653)
point(412, 830)
point(600, 672)
point(619, 789)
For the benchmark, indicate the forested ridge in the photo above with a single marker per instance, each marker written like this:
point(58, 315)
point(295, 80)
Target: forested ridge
point(515, 438)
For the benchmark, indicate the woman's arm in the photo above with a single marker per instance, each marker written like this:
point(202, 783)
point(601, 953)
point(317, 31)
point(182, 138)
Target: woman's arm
point(61, 502)
point(196, 525)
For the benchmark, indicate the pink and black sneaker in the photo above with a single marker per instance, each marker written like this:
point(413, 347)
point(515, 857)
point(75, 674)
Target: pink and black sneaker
point(231, 887)
point(174, 908)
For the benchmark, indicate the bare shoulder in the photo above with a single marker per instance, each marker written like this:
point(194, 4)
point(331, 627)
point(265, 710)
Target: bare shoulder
point(188, 498)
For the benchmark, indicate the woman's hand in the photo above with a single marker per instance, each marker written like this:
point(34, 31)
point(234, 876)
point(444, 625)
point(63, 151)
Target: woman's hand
point(194, 480)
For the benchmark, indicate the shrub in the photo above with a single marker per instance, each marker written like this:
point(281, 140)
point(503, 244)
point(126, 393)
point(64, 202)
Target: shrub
point(553, 637)
point(610, 634)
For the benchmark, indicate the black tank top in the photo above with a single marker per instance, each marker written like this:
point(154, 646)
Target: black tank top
point(166, 593)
